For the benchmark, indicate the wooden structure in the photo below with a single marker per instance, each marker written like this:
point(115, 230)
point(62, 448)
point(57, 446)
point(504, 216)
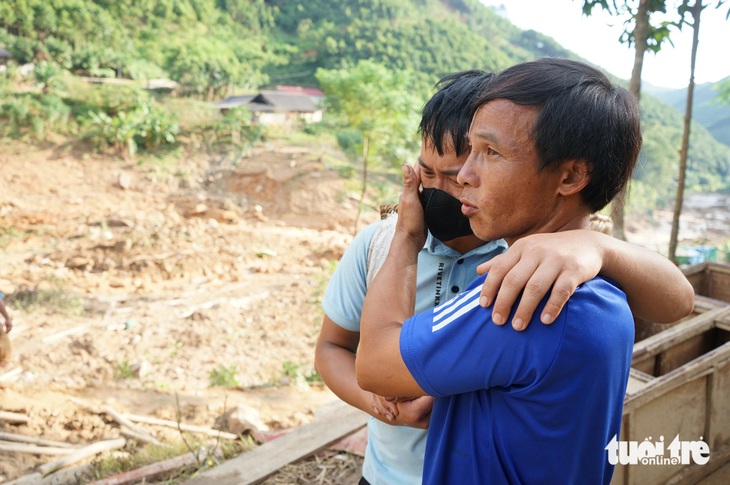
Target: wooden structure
point(680, 383)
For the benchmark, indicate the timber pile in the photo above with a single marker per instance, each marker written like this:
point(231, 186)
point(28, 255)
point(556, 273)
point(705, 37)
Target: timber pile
point(57, 473)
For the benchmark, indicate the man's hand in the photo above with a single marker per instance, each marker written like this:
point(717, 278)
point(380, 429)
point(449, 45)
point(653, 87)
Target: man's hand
point(534, 264)
point(411, 220)
point(8, 325)
point(412, 412)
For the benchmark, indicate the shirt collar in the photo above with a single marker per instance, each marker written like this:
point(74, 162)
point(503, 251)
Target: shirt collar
point(438, 248)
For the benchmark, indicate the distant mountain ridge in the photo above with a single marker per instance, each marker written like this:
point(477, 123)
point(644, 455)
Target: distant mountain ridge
point(705, 110)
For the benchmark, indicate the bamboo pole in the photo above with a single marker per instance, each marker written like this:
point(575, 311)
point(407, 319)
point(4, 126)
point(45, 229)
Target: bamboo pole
point(34, 449)
point(13, 418)
point(80, 454)
point(184, 427)
point(32, 440)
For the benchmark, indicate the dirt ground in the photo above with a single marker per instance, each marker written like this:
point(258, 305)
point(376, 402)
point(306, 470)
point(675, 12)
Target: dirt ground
point(132, 284)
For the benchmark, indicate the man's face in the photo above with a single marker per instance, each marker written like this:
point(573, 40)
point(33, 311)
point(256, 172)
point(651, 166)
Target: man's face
point(504, 195)
point(439, 172)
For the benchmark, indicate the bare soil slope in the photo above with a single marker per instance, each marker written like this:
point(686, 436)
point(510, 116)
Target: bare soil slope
point(132, 283)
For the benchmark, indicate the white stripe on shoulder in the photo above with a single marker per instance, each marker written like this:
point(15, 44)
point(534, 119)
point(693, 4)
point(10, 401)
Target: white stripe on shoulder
point(442, 310)
point(462, 305)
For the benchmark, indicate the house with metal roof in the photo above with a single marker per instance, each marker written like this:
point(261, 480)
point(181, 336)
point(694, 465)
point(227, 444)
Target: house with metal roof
point(278, 107)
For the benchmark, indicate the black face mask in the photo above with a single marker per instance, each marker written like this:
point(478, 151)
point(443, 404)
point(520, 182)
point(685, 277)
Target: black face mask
point(443, 215)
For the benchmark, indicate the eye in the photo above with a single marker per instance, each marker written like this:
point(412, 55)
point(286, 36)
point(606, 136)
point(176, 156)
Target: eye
point(489, 151)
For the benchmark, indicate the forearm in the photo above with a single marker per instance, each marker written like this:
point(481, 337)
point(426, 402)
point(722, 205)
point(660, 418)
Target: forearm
point(336, 366)
point(655, 288)
point(389, 302)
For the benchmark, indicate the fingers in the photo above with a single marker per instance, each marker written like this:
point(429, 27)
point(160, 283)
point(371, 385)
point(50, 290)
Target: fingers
point(411, 184)
point(497, 267)
point(538, 285)
point(8, 325)
point(410, 210)
point(530, 280)
point(561, 291)
point(383, 408)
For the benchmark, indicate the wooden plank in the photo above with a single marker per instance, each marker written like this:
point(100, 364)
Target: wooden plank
point(720, 286)
point(705, 303)
point(693, 370)
point(649, 347)
point(306, 440)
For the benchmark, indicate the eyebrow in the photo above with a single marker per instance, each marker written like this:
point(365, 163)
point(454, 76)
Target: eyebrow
point(450, 172)
point(486, 136)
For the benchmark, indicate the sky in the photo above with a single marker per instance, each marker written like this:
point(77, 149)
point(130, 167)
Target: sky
point(595, 38)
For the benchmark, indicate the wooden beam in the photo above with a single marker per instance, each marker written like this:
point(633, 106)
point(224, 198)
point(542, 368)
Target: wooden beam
point(259, 463)
point(13, 418)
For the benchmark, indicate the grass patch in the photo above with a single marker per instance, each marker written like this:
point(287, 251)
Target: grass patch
point(9, 234)
point(294, 372)
point(123, 370)
point(149, 454)
point(224, 376)
point(50, 299)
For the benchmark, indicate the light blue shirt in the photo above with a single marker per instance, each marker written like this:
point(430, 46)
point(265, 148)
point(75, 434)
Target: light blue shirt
point(394, 454)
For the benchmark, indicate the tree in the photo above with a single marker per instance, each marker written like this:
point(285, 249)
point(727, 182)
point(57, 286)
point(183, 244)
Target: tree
point(695, 11)
point(644, 36)
point(376, 111)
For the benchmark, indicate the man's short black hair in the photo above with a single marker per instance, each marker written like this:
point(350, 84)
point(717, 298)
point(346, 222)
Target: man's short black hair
point(446, 117)
point(583, 116)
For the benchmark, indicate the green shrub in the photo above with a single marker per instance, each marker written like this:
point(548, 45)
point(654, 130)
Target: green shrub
point(224, 376)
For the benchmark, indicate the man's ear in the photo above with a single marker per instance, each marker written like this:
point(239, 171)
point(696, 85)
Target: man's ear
point(575, 176)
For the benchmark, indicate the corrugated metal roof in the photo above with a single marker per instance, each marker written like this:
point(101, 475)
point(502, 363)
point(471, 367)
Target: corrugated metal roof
point(272, 101)
point(282, 101)
point(234, 102)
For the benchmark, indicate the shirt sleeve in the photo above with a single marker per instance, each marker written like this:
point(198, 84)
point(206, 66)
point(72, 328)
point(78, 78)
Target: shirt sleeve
point(345, 294)
point(456, 348)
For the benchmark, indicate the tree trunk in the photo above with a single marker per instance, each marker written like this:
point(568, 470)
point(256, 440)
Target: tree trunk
point(641, 33)
point(364, 183)
point(672, 253)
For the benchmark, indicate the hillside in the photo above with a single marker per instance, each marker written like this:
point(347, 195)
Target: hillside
point(705, 110)
point(213, 49)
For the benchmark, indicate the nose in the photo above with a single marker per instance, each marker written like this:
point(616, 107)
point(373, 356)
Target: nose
point(466, 177)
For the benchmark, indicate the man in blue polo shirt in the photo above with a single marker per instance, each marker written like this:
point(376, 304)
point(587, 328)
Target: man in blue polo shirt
point(551, 142)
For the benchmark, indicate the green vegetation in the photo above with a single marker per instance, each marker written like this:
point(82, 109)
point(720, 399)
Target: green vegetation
point(384, 54)
point(53, 297)
point(123, 370)
point(149, 454)
point(300, 373)
point(224, 376)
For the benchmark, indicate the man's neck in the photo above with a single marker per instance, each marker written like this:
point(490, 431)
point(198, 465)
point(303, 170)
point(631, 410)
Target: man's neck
point(580, 221)
point(465, 244)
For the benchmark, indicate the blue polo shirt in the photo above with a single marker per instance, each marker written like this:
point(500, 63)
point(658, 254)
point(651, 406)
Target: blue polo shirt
point(395, 454)
point(537, 406)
